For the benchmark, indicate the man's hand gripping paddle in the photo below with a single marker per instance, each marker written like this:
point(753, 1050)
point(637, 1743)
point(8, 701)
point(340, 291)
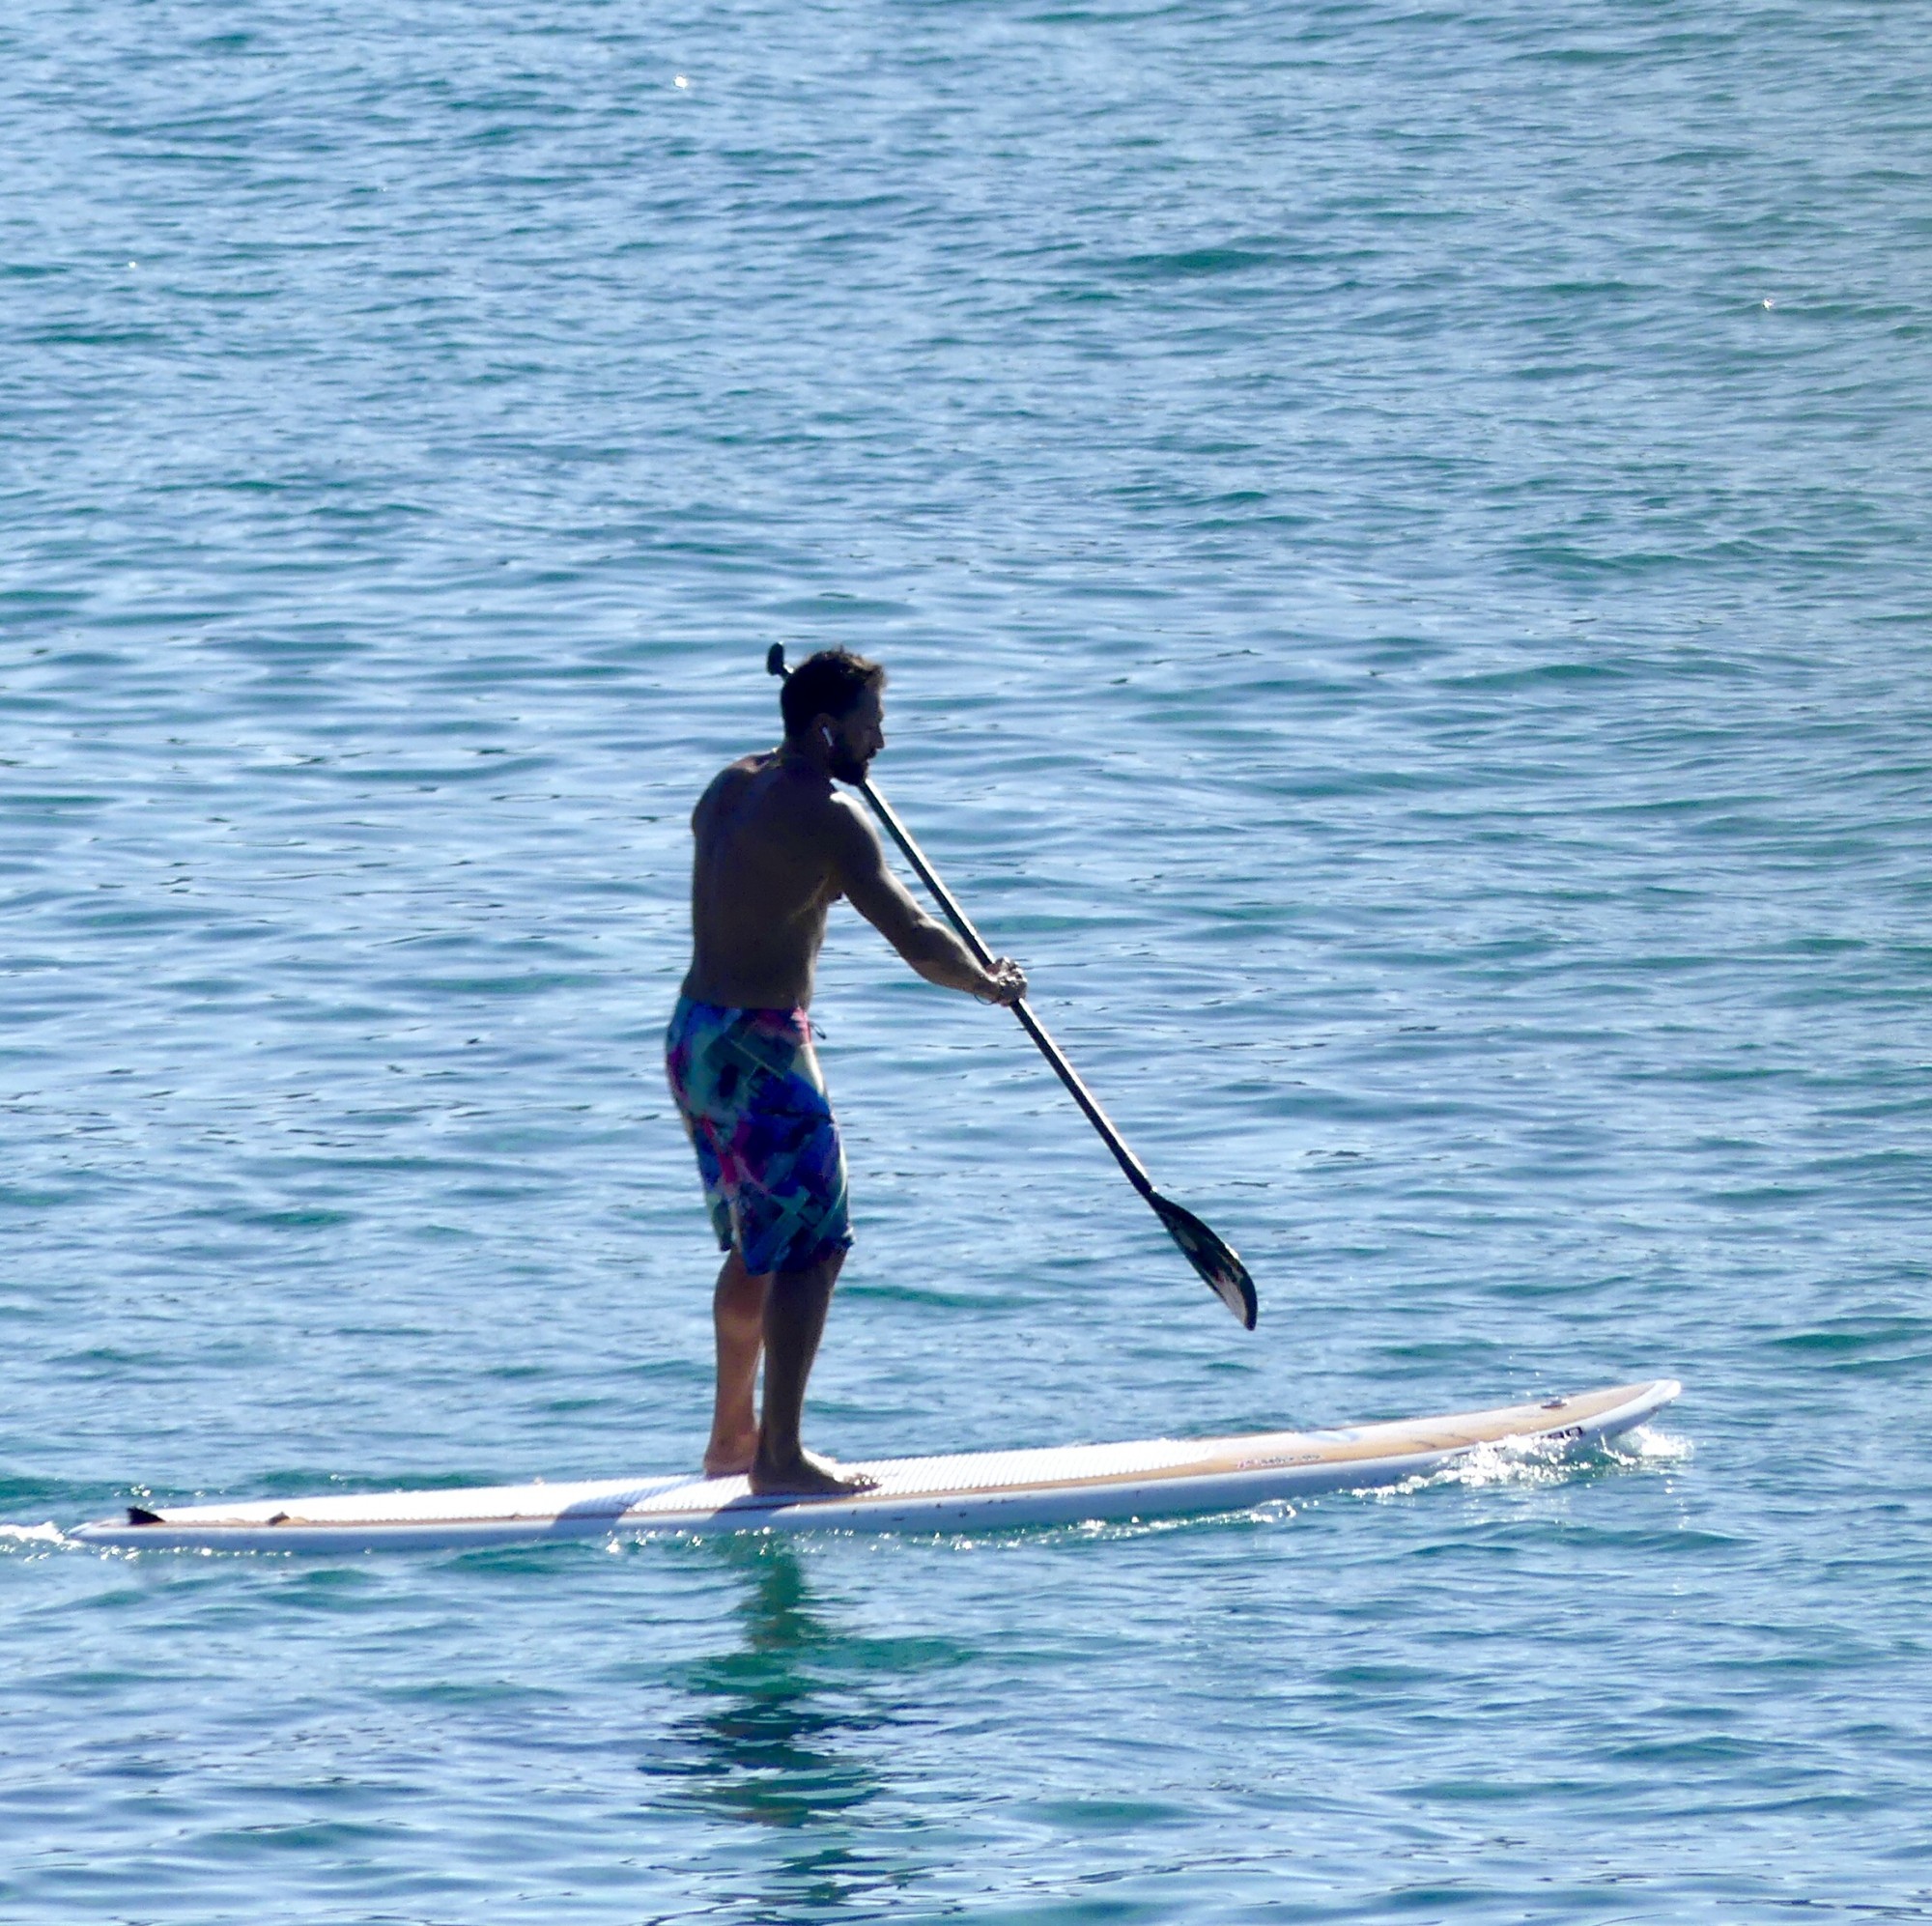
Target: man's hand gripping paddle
point(1221, 1270)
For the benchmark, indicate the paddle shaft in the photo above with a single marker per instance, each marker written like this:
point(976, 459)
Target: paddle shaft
point(1136, 1173)
point(1218, 1264)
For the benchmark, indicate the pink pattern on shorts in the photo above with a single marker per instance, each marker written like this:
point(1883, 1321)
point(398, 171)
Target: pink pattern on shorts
point(748, 1087)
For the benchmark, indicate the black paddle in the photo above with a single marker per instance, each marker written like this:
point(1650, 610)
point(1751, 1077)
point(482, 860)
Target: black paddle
point(1221, 1270)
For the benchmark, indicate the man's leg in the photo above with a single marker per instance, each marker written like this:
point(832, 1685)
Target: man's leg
point(795, 1308)
point(738, 1310)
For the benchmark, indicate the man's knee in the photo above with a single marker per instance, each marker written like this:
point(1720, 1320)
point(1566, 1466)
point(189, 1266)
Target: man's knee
point(820, 1275)
point(738, 1289)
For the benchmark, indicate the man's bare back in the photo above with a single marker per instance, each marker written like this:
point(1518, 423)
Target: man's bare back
point(777, 845)
point(763, 878)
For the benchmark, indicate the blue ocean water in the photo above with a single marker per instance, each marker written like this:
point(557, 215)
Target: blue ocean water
point(1400, 536)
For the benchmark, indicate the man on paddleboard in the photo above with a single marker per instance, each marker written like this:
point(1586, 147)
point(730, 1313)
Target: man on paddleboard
point(776, 846)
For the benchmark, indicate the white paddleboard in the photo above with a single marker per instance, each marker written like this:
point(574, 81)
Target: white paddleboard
point(974, 1490)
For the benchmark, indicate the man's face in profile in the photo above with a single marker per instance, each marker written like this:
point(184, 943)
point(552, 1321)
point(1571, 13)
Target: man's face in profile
point(856, 737)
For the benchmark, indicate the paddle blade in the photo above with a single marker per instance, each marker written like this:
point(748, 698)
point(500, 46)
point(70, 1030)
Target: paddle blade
point(1221, 1270)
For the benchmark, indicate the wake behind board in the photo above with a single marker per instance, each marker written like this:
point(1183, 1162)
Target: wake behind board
point(974, 1491)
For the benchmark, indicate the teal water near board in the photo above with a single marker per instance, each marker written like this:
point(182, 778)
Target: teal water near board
point(1400, 535)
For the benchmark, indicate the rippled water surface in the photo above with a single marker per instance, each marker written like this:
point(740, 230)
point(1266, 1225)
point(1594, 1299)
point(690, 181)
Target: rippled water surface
point(1399, 533)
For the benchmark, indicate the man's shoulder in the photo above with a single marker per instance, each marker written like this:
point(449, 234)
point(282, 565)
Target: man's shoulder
point(827, 822)
point(848, 822)
point(746, 769)
point(735, 779)
point(764, 795)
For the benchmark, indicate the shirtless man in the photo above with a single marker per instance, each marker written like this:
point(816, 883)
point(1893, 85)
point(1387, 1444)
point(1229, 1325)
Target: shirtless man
point(776, 846)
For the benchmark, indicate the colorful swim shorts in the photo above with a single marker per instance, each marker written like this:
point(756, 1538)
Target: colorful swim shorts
point(748, 1083)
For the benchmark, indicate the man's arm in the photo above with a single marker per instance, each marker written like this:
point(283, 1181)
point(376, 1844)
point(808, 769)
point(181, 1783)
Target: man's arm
point(859, 864)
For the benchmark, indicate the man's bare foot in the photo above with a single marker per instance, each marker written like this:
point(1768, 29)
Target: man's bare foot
point(806, 1476)
point(728, 1457)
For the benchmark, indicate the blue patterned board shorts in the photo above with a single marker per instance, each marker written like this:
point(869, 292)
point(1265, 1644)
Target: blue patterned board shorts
point(748, 1087)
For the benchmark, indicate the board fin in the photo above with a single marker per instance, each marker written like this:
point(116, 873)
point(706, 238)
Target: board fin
point(137, 1516)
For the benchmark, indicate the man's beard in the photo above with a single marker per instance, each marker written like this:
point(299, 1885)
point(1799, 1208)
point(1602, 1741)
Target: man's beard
point(847, 766)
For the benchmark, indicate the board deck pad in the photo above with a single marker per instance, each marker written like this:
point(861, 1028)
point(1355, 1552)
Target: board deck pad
point(970, 1490)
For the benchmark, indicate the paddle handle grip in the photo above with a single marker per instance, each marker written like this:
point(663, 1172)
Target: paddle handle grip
point(1136, 1173)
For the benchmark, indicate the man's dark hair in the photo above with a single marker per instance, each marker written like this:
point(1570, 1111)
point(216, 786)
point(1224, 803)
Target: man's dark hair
point(827, 683)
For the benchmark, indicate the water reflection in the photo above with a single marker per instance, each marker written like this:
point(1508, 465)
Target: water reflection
point(771, 1745)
